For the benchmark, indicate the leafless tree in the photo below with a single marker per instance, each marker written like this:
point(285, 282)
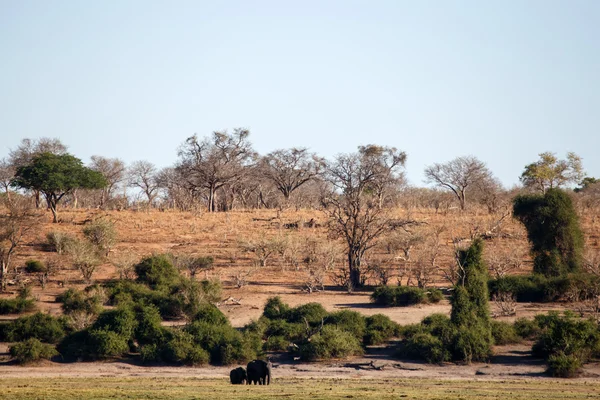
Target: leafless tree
point(216, 161)
point(503, 260)
point(458, 176)
point(113, 170)
point(385, 162)
point(143, 175)
point(353, 208)
point(7, 173)
point(290, 168)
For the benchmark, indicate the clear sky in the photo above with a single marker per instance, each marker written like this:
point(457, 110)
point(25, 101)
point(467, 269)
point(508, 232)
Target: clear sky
point(501, 80)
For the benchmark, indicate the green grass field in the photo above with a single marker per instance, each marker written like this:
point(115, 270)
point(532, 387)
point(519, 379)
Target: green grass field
point(174, 388)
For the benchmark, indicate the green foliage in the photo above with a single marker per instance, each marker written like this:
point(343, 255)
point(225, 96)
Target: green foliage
point(398, 296)
point(180, 348)
point(553, 230)
point(209, 313)
point(472, 344)
point(331, 342)
point(276, 308)
point(148, 329)
point(102, 234)
point(526, 328)
point(60, 241)
point(562, 365)
point(38, 326)
point(34, 266)
point(276, 343)
point(107, 344)
point(291, 331)
point(156, 271)
point(349, 321)
point(32, 350)
point(504, 333)
point(424, 346)
point(224, 343)
point(539, 288)
point(122, 321)
point(20, 304)
point(313, 313)
point(74, 300)
point(379, 328)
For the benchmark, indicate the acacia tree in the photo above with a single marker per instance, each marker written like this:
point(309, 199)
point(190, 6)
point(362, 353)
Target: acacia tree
point(219, 160)
point(113, 170)
point(290, 168)
point(549, 172)
point(459, 176)
point(55, 176)
point(143, 175)
point(353, 207)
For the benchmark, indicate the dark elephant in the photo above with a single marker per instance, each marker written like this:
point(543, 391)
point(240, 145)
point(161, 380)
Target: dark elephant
point(238, 376)
point(259, 371)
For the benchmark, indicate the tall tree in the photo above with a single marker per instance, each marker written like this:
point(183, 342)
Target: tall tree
point(113, 170)
point(353, 207)
point(458, 176)
point(143, 175)
point(7, 173)
point(219, 160)
point(549, 172)
point(55, 176)
point(289, 169)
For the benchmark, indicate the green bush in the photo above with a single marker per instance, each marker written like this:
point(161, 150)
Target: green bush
point(379, 329)
point(471, 344)
point(190, 296)
point(276, 343)
point(331, 342)
point(276, 308)
point(440, 326)
point(398, 296)
point(349, 321)
point(564, 366)
point(107, 344)
point(32, 350)
point(180, 348)
point(121, 321)
point(434, 295)
point(291, 331)
point(224, 343)
point(424, 346)
point(157, 270)
point(34, 266)
point(504, 333)
point(20, 304)
point(313, 313)
point(526, 328)
point(148, 329)
point(38, 326)
point(74, 300)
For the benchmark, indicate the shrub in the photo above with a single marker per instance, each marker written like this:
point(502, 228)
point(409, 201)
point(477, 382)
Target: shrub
point(504, 333)
point(276, 343)
point(424, 346)
point(349, 321)
point(42, 327)
point(398, 296)
point(148, 329)
point(440, 326)
point(434, 295)
point(291, 331)
point(379, 329)
point(102, 234)
point(276, 309)
point(224, 343)
point(78, 301)
point(156, 271)
point(107, 344)
point(331, 342)
point(121, 321)
point(180, 348)
point(32, 350)
point(211, 314)
point(313, 313)
point(189, 296)
point(471, 344)
point(526, 328)
point(564, 366)
point(34, 266)
point(59, 241)
point(20, 304)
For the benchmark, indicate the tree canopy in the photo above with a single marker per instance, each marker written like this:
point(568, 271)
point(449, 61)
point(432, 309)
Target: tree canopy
point(55, 175)
point(549, 172)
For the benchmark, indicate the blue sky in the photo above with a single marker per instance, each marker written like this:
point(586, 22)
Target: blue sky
point(501, 80)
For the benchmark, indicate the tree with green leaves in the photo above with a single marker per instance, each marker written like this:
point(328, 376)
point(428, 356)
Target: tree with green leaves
point(549, 172)
point(470, 308)
point(553, 230)
point(55, 175)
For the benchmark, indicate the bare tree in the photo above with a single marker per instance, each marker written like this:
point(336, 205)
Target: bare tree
point(291, 168)
point(458, 176)
point(550, 172)
point(113, 170)
point(143, 175)
point(385, 162)
point(7, 173)
point(353, 208)
point(216, 161)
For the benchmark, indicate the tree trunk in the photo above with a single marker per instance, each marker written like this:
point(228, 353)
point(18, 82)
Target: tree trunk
point(3, 275)
point(211, 199)
point(354, 265)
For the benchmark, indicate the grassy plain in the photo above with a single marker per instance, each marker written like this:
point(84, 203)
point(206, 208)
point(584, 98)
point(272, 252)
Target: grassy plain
point(190, 388)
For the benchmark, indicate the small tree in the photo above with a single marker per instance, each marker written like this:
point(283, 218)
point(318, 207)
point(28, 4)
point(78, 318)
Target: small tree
point(85, 258)
point(553, 231)
point(102, 234)
point(55, 176)
point(193, 264)
point(549, 172)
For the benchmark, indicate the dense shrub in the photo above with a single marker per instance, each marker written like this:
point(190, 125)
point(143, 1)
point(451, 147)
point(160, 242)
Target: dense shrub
point(399, 296)
point(224, 343)
point(211, 314)
point(38, 326)
point(93, 344)
point(178, 348)
point(349, 321)
point(157, 270)
point(148, 329)
point(34, 266)
point(504, 333)
point(289, 330)
point(331, 342)
point(440, 326)
point(526, 328)
point(74, 300)
point(472, 344)
point(276, 343)
point(564, 366)
point(311, 313)
point(189, 296)
point(20, 304)
point(424, 346)
point(122, 321)
point(276, 308)
point(32, 350)
point(379, 328)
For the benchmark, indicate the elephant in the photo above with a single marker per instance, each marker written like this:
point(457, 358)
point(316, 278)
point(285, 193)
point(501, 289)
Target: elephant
point(238, 376)
point(259, 371)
